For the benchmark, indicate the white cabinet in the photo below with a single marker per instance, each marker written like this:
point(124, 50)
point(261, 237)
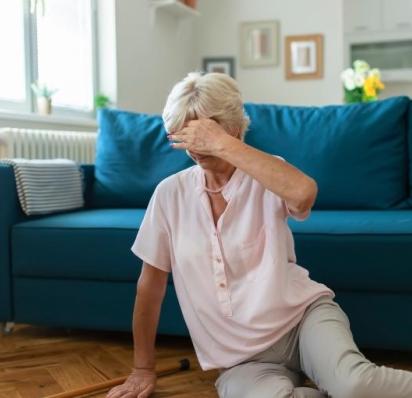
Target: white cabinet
point(397, 15)
point(362, 15)
point(380, 32)
point(370, 16)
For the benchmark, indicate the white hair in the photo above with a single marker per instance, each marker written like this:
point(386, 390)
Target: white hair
point(212, 95)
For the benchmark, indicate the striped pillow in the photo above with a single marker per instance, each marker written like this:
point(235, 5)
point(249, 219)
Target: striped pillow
point(47, 185)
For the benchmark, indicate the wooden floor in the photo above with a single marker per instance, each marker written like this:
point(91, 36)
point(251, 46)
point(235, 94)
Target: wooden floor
point(37, 361)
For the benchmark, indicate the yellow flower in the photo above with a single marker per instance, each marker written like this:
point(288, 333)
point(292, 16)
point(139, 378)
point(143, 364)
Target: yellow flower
point(369, 86)
point(372, 85)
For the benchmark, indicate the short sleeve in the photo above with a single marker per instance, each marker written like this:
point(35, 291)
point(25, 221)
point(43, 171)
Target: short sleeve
point(288, 212)
point(152, 243)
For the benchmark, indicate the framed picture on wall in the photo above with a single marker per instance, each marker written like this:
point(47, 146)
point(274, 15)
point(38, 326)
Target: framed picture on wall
point(304, 57)
point(259, 43)
point(219, 65)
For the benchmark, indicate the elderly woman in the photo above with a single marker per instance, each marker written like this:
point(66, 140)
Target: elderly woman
point(221, 228)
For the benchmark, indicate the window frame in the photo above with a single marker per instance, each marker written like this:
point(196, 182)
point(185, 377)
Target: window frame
point(31, 67)
point(23, 106)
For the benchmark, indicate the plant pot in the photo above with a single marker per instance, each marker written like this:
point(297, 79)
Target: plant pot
point(44, 105)
point(191, 3)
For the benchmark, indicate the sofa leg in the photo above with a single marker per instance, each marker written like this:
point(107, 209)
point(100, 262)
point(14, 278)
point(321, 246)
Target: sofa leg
point(8, 327)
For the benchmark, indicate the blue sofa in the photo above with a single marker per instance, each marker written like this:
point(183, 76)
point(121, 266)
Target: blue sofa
point(75, 269)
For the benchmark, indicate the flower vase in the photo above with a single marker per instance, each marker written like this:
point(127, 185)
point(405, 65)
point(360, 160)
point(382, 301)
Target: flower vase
point(44, 105)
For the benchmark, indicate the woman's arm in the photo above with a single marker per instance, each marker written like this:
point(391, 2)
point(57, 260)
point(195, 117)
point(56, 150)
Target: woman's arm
point(280, 177)
point(205, 136)
point(151, 288)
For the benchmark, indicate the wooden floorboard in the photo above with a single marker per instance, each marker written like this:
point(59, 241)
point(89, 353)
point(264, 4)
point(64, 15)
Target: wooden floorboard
point(39, 361)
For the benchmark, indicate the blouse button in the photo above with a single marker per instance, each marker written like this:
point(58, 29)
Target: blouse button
point(222, 284)
point(218, 260)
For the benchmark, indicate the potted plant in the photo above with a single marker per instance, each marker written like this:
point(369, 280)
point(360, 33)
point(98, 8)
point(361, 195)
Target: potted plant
point(361, 83)
point(44, 97)
point(101, 101)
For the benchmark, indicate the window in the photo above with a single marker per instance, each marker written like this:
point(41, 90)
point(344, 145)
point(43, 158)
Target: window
point(52, 41)
point(12, 74)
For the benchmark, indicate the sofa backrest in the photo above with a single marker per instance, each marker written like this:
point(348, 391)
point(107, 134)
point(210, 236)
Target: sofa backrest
point(133, 155)
point(358, 153)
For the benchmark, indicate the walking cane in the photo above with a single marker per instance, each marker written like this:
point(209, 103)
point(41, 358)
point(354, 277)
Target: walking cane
point(184, 364)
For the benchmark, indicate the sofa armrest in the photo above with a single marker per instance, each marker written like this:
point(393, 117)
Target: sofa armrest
point(10, 213)
point(88, 172)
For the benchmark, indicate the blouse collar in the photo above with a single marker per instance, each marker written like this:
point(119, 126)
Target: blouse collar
point(229, 188)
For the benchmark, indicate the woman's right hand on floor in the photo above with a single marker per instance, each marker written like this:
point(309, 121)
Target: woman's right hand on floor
point(140, 384)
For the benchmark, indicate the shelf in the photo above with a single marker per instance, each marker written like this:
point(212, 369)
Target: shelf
point(397, 75)
point(175, 8)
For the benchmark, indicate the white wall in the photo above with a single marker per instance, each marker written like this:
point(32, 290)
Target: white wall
point(217, 34)
point(149, 55)
point(152, 55)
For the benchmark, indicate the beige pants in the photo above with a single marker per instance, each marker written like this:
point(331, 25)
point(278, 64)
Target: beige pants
point(322, 347)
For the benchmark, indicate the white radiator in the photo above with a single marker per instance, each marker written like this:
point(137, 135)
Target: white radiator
point(47, 144)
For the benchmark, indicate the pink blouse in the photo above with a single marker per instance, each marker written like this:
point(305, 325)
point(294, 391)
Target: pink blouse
point(238, 284)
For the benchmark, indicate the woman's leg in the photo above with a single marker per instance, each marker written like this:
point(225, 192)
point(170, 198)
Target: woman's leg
point(330, 357)
point(262, 380)
point(272, 373)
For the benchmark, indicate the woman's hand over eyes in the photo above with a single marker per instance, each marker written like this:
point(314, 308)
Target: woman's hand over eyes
point(203, 136)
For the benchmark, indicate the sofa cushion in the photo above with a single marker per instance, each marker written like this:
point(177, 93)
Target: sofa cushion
point(133, 155)
point(95, 244)
point(357, 250)
point(92, 244)
point(357, 153)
